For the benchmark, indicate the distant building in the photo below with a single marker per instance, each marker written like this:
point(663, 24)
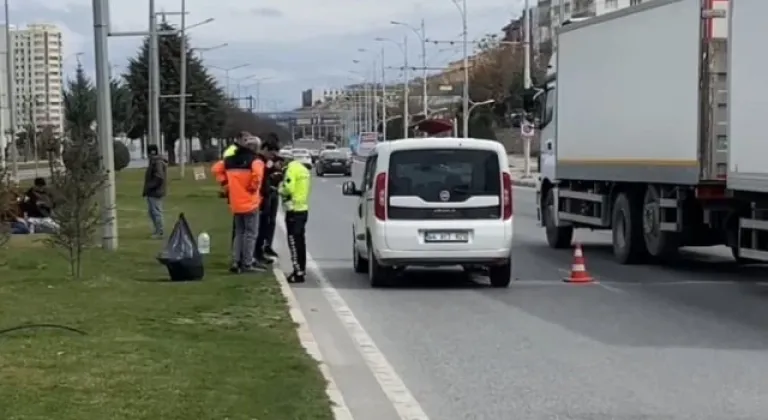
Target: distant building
point(39, 79)
point(317, 96)
point(38, 92)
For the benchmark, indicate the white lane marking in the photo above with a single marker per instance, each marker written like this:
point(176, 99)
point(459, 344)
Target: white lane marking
point(390, 382)
point(596, 283)
point(307, 339)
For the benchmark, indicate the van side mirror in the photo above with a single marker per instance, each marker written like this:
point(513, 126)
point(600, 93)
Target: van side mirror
point(350, 189)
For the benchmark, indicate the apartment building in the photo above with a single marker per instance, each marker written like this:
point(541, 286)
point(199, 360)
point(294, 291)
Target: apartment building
point(316, 96)
point(37, 56)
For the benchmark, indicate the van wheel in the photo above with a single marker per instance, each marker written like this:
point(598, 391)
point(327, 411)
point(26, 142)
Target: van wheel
point(359, 263)
point(378, 275)
point(500, 275)
point(627, 221)
point(557, 237)
point(661, 245)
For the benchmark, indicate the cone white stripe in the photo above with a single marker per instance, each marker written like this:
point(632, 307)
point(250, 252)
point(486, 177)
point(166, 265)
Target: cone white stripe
point(578, 267)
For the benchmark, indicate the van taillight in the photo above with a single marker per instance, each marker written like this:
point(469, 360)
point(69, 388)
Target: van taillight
point(380, 196)
point(506, 196)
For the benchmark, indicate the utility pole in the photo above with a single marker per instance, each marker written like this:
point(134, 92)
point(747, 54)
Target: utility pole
point(154, 94)
point(104, 123)
point(383, 97)
point(465, 52)
point(527, 82)
point(11, 82)
point(424, 93)
point(183, 91)
point(375, 101)
point(421, 33)
point(406, 90)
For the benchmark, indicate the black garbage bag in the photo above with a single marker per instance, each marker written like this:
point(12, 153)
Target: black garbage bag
point(180, 256)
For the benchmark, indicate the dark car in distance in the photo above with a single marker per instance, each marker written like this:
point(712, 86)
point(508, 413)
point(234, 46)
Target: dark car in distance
point(333, 162)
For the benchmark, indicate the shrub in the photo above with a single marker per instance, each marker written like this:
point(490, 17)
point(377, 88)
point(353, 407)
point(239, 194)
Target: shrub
point(122, 156)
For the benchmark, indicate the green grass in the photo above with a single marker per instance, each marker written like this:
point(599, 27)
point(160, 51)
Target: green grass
point(221, 348)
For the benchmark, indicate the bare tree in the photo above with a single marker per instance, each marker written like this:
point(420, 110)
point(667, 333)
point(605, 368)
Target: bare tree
point(74, 190)
point(497, 68)
point(76, 208)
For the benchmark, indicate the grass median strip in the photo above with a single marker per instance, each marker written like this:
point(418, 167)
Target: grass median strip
point(137, 347)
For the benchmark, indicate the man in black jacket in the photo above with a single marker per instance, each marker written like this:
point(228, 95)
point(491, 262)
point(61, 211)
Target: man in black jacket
point(154, 189)
point(270, 203)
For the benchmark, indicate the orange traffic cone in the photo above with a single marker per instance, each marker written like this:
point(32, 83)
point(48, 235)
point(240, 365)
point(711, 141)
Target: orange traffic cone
point(578, 268)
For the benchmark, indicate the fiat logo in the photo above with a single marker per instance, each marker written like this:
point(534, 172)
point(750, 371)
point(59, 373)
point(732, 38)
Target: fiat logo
point(445, 195)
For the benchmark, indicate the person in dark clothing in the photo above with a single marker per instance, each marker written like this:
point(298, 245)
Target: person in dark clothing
point(36, 202)
point(154, 189)
point(268, 215)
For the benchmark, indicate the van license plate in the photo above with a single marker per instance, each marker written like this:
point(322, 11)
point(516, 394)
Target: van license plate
point(446, 237)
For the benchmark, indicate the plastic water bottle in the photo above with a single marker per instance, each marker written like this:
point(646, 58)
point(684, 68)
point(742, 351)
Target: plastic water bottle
point(204, 243)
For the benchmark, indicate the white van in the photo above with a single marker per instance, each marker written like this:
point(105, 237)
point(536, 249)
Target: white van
point(433, 202)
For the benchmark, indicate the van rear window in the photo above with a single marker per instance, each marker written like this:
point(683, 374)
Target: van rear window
point(429, 173)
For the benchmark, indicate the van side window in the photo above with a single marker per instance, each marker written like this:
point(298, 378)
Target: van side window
point(370, 170)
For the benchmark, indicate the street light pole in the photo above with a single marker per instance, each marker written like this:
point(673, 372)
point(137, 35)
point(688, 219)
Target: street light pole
point(226, 71)
point(527, 83)
point(11, 92)
point(258, 93)
point(383, 97)
point(203, 50)
point(154, 79)
point(406, 89)
point(421, 33)
point(104, 123)
point(183, 91)
point(424, 93)
point(465, 42)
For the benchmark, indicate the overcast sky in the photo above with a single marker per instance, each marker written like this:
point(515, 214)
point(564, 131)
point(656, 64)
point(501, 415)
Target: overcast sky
point(298, 44)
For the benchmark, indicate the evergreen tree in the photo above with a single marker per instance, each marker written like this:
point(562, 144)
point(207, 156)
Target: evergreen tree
point(79, 106)
point(205, 120)
point(122, 107)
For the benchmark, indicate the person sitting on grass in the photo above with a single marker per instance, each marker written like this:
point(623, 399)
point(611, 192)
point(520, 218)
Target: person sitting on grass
point(37, 203)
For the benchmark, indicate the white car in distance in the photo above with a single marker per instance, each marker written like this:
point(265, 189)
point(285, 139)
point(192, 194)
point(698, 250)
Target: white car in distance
point(303, 156)
point(433, 202)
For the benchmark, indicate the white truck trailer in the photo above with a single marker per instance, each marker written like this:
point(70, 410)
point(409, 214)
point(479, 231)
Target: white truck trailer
point(635, 133)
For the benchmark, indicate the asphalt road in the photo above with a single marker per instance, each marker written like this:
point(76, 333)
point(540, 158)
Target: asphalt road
point(648, 342)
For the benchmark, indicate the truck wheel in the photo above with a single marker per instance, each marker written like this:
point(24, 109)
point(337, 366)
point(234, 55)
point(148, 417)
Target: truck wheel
point(628, 244)
point(659, 244)
point(557, 237)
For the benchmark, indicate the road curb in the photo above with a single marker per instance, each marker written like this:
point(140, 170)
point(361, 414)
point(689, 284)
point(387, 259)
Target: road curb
point(307, 339)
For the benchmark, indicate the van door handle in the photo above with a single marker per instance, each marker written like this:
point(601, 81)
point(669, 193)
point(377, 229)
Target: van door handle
point(360, 210)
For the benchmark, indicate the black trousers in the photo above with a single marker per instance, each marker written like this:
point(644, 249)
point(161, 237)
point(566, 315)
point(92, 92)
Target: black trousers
point(267, 223)
point(296, 223)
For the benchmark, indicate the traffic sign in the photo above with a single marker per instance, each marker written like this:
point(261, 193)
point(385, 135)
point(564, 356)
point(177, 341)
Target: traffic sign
point(526, 129)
